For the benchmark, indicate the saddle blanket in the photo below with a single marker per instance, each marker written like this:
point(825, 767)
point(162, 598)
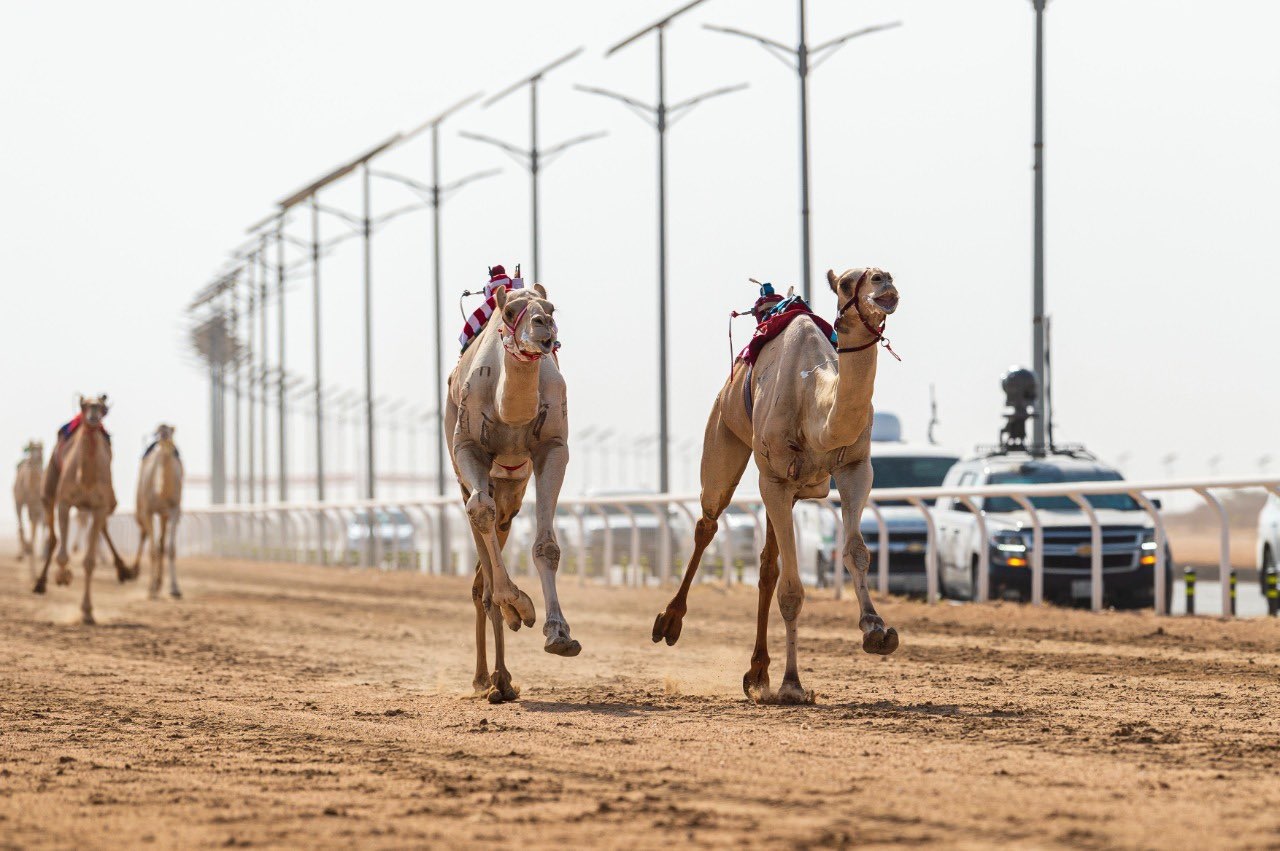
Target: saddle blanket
point(777, 321)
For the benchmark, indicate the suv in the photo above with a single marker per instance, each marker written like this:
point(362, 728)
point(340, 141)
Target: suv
point(1128, 538)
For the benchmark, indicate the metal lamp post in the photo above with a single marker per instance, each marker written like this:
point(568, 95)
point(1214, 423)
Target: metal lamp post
point(804, 60)
point(1037, 295)
point(661, 117)
point(533, 158)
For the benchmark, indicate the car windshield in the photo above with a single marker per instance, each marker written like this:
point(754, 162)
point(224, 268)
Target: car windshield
point(382, 517)
point(1053, 475)
point(908, 472)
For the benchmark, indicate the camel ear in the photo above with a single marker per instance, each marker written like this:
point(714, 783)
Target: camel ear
point(81, 402)
point(833, 279)
point(500, 297)
point(540, 290)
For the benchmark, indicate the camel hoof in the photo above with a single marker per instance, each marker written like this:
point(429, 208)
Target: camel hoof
point(40, 587)
point(755, 685)
point(176, 594)
point(562, 646)
point(517, 610)
point(87, 619)
point(124, 573)
point(880, 641)
point(62, 577)
point(481, 684)
point(502, 691)
point(793, 694)
point(667, 625)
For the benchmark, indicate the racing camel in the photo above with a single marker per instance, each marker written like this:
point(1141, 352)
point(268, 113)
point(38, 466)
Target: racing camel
point(79, 476)
point(803, 409)
point(26, 496)
point(507, 419)
point(160, 494)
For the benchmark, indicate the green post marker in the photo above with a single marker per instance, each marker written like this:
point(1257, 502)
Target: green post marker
point(1231, 574)
point(1189, 579)
point(1272, 592)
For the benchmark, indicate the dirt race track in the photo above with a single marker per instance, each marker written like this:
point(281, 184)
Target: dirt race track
point(299, 706)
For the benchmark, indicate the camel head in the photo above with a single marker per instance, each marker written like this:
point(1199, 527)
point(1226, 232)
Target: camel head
point(877, 296)
point(93, 409)
point(34, 449)
point(164, 433)
point(529, 327)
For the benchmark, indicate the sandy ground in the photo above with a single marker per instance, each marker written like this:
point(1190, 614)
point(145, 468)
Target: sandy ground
point(297, 706)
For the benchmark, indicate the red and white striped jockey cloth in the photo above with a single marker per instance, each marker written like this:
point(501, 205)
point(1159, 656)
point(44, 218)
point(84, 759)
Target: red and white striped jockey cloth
point(475, 323)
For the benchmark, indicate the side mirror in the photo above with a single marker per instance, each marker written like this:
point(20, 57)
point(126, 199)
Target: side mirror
point(1157, 503)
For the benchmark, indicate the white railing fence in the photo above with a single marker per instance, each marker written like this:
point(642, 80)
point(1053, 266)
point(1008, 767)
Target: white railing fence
point(633, 540)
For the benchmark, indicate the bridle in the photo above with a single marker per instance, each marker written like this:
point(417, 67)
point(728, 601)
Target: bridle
point(509, 338)
point(877, 334)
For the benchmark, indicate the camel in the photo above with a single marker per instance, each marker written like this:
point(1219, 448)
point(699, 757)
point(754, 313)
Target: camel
point(507, 419)
point(804, 412)
point(26, 495)
point(160, 493)
point(79, 476)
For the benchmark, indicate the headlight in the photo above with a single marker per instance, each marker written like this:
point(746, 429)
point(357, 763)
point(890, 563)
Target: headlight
point(1149, 539)
point(1009, 542)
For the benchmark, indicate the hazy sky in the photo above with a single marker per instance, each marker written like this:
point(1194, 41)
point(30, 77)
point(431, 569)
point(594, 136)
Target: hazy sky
point(140, 139)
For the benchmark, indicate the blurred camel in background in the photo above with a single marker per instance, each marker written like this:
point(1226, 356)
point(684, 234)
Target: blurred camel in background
point(160, 494)
point(26, 497)
point(79, 476)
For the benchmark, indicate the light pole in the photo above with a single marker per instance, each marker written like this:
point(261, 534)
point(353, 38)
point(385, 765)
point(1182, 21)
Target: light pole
point(533, 158)
point(435, 194)
point(1037, 296)
point(804, 60)
point(661, 116)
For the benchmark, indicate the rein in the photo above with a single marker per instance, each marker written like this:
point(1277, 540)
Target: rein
point(877, 334)
point(509, 340)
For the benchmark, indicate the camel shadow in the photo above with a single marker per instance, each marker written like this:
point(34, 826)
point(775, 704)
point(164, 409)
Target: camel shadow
point(615, 709)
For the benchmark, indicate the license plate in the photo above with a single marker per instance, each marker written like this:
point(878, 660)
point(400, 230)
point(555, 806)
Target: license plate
point(1081, 588)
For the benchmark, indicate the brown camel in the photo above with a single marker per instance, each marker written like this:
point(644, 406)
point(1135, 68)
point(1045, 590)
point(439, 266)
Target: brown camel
point(809, 421)
point(160, 493)
point(79, 476)
point(507, 417)
point(26, 495)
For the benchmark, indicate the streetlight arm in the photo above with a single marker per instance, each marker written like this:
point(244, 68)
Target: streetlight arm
point(400, 178)
point(519, 154)
point(824, 51)
point(354, 221)
point(470, 178)
point(629, 101)
point(786, 55)
point(396, 213)
point(556, 150)
point(697, 99)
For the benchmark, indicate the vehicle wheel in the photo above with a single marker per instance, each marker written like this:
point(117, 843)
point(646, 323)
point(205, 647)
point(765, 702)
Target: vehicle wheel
point(973, 579)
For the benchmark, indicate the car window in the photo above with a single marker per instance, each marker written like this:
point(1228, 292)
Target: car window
point(904, 471)
point(1043, 474)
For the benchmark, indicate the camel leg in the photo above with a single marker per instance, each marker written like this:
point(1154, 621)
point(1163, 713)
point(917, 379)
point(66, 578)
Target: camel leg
point(779, 497)
point(514, 605)
point(549, 477)
point(755, 683)
point(481, 680)
point(501, 689)
point(97, 522)
point(123, 573)
point(63, 575)
point(724, 457)
point(172, 547)
point(24, 546)
point(50, 542)
point(144, 522)
point(854, 483)
point(158, 542)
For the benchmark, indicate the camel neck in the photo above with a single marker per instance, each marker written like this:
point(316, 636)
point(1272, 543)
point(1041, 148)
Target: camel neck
point(518, 390)
point(851, 411)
